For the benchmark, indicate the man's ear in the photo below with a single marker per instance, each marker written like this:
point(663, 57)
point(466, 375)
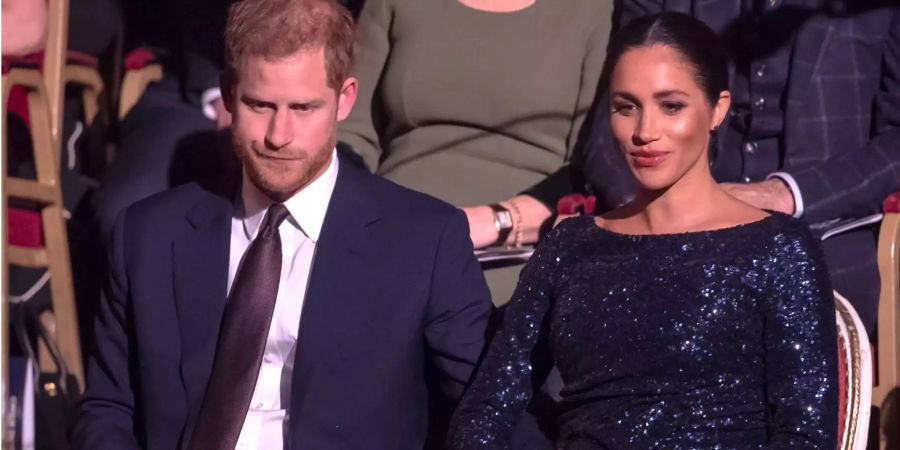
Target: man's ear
point(346, 98)
point(226, 86)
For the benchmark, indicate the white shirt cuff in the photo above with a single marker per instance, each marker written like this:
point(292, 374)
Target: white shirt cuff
point(795, 190)
point(207, 99)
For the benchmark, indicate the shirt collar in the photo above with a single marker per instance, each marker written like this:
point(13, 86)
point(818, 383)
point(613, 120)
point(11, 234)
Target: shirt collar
point(307, 207)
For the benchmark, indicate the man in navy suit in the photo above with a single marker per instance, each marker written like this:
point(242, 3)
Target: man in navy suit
point(305, 304)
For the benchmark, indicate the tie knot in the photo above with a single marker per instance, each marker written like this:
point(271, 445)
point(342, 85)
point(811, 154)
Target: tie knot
point(276, 214)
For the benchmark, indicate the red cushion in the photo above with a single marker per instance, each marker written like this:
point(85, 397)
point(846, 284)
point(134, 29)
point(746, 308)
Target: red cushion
point(25, 228)
point(892, 203)
point(590, 204)
point(139, 58)
point(569, 204)
point(576, 204)
point(32, 61)
point(36, 60)
point(81, 59)
point(18, 103)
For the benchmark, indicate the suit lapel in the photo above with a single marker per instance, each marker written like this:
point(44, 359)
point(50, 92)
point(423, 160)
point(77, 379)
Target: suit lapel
point(335, 295)
point(201, 258)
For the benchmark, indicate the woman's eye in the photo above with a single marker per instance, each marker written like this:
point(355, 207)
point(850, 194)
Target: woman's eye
point(625, 109)
point(672, 107)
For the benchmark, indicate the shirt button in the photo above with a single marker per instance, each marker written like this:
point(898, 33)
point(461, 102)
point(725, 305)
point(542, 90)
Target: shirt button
point(268, 358)
point(750, 147)
point(745, 179)
point(760, 103)
point(258, 405)
point(760, 70)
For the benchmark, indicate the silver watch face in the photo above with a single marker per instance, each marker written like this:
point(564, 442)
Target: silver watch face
point(504, 220)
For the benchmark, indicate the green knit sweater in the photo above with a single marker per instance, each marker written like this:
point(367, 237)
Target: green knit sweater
point(473, 106)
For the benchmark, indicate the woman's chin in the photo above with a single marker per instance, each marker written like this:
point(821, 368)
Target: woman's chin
point(653, 181)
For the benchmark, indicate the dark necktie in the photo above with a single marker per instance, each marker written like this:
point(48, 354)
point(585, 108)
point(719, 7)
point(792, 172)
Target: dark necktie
point(242, 340)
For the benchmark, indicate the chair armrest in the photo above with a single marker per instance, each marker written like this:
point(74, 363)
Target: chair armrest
point(888, 339)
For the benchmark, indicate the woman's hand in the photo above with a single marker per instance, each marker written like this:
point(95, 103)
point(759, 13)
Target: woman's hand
point(481, 225)
point(528, 215)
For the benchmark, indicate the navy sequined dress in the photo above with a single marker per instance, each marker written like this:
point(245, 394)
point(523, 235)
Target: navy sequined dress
point(715, 339)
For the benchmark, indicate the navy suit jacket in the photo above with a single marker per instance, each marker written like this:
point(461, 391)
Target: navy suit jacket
point(394, 295)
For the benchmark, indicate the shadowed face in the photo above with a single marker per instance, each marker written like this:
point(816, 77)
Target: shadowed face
point(284, 119)
point(660, 116)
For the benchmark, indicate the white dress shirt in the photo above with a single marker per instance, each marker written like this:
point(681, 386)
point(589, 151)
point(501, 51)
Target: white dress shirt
point(794, 188)
point(267, 418)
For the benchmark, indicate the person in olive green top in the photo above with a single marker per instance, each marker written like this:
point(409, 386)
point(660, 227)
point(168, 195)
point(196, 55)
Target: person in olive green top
point(475, 101)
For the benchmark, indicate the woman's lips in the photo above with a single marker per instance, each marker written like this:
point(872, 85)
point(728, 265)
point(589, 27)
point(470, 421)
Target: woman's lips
point(648, 158)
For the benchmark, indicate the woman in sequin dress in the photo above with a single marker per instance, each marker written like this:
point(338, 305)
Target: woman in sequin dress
point(683, 319)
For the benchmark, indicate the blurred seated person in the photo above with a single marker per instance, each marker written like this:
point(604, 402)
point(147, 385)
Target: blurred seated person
point(813, 130)
point(474, 101)
point(685, 318)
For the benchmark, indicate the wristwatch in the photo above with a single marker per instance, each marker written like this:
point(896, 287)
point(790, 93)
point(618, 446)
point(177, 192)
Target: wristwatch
point(502, 222)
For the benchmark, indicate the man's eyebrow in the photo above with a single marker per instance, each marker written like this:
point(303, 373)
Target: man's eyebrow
point(306, 104)
point(250, 99)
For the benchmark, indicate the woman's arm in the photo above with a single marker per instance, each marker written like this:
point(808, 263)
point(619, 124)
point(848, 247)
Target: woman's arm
point(505, 380)
point(801, 346)
point(528, 216)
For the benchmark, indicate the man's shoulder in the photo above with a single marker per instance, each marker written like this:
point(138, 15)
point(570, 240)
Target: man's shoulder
point(160, 211)
point(396, 200)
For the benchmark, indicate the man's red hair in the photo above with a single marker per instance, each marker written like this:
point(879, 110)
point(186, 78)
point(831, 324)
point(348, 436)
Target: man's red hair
point(274, 29)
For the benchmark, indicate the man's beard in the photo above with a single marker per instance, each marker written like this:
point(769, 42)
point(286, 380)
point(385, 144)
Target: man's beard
point(312, 165)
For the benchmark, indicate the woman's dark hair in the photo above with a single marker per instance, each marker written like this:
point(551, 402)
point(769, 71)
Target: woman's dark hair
point(697, 43)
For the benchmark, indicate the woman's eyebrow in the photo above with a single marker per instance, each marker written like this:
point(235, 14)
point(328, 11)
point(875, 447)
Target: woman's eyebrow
point(627, 95)
point(669, 93)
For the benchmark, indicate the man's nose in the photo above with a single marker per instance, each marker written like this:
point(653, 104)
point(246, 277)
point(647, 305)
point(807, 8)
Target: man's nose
point(281, 131)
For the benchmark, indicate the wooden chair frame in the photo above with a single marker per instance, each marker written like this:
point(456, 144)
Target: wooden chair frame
point(62, 322)
point(857, 355)
point(134, 84)
point(888, 353)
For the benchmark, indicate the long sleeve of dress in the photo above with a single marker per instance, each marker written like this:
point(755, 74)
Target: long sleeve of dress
point(504, 382)
point(371, 51)
point(800, 342)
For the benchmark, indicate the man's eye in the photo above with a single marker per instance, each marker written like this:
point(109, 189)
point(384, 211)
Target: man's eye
point(672, 107)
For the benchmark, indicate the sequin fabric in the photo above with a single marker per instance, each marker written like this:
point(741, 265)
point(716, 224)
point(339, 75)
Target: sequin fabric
point(719, 339)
